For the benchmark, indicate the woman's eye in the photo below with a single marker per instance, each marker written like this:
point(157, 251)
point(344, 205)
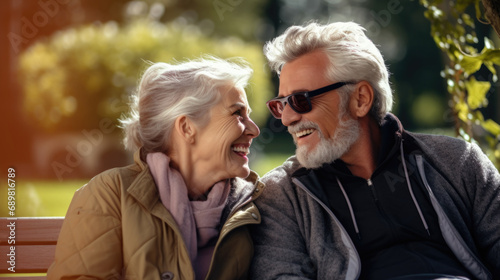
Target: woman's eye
point(237, 112)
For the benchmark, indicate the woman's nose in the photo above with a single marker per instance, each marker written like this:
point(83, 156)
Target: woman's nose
point(252, 129)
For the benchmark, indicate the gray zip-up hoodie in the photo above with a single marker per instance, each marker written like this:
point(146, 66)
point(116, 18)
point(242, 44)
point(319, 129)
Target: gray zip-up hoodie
point(300, 238)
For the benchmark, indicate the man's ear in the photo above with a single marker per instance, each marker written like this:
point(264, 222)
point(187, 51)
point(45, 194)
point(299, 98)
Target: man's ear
point(362, 99)
point(185, 128)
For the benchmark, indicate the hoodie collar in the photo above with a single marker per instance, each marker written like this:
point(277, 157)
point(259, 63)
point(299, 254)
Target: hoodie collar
point(391, 133)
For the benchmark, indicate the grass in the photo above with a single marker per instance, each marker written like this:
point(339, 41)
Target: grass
point(265, 163)
point(39, 198)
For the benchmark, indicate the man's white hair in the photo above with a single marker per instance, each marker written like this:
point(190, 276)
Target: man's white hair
point(353, 57)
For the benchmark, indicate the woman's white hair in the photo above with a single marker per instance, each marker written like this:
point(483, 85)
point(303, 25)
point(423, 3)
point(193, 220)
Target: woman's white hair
point(167, 91)
point(353, 57)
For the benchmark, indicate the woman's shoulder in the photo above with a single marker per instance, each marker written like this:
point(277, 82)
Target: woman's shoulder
point(111, 181)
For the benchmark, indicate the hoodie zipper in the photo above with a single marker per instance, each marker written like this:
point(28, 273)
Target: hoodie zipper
point(380, 207)
point(381, 210)
point(372, 189)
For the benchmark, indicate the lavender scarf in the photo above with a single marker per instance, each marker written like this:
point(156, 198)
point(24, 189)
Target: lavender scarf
point(198, 221)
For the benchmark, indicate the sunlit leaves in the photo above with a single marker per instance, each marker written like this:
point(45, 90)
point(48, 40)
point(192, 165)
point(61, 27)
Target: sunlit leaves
point(462, 111)
point(467, 20)
point(492, 127)
point(470, 64)
point(477, 90)
point(488, 57)
point(452, 28)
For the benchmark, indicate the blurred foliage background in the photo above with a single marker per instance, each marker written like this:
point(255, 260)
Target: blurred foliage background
point(69, 66)
point(87, 73)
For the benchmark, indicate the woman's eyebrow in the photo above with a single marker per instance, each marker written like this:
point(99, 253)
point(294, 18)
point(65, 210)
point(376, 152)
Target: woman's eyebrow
point(241, 105)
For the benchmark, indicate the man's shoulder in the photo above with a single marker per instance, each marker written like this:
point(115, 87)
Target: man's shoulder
point(282, 172)
point(435, 138)
point(278, 188)
point(439, 144)
point(450, 154)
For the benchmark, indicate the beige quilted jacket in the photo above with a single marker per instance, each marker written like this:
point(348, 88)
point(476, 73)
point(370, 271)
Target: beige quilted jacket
point(117, 228)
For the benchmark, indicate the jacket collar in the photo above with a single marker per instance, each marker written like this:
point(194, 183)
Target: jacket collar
point(144, 190)
point(242, 192)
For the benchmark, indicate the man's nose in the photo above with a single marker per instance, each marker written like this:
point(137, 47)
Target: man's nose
point(289, 116)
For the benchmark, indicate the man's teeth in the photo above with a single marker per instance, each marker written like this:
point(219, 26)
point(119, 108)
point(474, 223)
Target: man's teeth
point(304, 132)
point(241, 149)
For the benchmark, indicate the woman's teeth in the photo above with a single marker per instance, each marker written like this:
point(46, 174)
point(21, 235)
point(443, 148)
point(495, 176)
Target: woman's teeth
point(304, 132)
point(241, 149)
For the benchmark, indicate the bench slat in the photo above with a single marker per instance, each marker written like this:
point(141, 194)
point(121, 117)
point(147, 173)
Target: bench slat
point(28, 258)
point(35, 245)
point(14, 277)
point(31, 230)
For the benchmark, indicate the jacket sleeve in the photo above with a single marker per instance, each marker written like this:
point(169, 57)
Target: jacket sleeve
point(485, 183)
point(90, 242)
point(280, 248)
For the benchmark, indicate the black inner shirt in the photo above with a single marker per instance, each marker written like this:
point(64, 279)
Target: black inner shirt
point(392, 239)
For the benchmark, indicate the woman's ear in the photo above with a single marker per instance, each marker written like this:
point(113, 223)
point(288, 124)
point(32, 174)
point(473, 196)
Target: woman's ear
point(362, 99)
point(185, 128)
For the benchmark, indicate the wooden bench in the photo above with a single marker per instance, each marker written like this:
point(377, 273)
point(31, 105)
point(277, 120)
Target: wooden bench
point(35, 244)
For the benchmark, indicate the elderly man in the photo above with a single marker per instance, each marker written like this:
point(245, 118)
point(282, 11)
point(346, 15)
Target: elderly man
point(363, 198)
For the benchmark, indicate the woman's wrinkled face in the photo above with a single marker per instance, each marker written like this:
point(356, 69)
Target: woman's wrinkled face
point(224, 143)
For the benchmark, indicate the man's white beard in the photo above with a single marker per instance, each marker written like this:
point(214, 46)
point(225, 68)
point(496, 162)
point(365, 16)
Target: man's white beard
point(328, 150)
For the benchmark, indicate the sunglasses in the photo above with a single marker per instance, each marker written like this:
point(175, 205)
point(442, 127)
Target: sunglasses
point(300, 102)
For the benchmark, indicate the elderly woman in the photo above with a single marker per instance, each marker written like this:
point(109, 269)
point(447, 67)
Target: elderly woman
point(181, 211)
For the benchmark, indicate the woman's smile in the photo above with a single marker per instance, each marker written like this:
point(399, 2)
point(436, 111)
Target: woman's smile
point(241, 149)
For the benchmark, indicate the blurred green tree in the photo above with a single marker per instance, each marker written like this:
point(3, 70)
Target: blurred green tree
point(453, 29)
point(78, 76)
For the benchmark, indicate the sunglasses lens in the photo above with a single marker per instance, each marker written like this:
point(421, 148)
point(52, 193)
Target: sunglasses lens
point(300, 103)
point(276, 108)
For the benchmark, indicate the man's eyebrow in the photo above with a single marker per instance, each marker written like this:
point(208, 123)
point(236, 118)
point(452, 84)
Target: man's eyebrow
point(295, 91)
point(300, 90)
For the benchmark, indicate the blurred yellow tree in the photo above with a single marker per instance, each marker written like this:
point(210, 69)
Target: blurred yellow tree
point(79, 76)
